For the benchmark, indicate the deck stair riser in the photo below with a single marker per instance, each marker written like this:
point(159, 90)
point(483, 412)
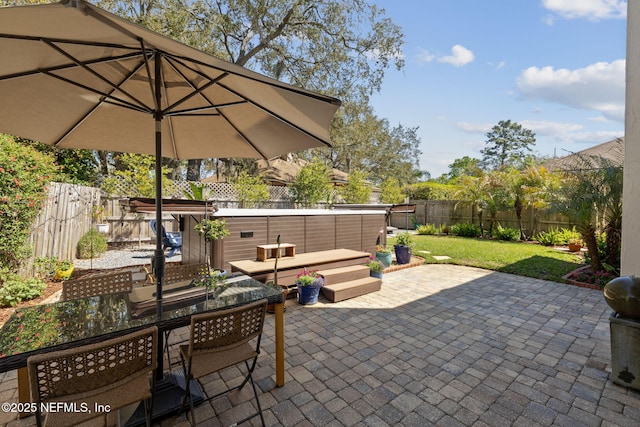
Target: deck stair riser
point(351, 289)
point(344, 274)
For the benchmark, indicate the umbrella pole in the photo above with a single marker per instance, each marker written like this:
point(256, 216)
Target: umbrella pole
point(159, 253)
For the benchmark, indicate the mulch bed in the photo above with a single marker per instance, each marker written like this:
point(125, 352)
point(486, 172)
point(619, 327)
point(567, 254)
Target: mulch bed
point(52, 288)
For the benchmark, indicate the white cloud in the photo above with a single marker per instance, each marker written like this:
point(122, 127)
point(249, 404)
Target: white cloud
point(460, 56)
point(593, 10)
point(474, 127)
point(598, 87)
point(569, 133)
point(425, 56)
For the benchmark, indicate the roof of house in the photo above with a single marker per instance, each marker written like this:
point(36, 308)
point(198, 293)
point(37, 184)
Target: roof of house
point(282, 172)
point(611, 150)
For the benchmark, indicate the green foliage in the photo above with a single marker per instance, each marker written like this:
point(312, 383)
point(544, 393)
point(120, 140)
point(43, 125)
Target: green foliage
point(137, 173)
point(465, 166)
point(550, 237)
point(212, 229)
point(311, 185)
point(16, 289)
point(556, 237)
point(47, 267)
point(507, 144)
point(92, 244)
point(307, 277)
point(432, 191)
point(391, 192)
point(506, 233)
point(428, 229)
point(24, 175)
point(251, 190)
point(375, 266)
point(358, 190)
point(405, 239)
point(466, 229)
point(196, 192)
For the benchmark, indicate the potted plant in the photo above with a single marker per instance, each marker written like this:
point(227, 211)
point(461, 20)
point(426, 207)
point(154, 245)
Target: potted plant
point(404, 245)
point(98, 217)
point(375, 267)
point(574, 245)
point(309, 283)
point(212, 229)
point(383, 254)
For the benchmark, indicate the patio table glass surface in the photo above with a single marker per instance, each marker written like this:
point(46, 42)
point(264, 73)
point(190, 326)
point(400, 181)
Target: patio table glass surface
point(64, 324)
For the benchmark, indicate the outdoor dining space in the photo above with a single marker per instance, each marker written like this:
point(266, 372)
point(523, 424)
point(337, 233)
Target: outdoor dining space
point(437, 345)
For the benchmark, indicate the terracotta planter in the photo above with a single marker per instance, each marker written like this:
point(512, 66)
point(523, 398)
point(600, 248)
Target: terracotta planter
point(574, 247)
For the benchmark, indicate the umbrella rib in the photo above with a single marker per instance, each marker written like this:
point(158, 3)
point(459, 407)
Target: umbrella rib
point(242, 134)
point(145, 56)
point(121, 102)
point(92, 72)
point(67, 66)
point(273, 114)
point(205, 108)
point(95, 107)
point(197, 91)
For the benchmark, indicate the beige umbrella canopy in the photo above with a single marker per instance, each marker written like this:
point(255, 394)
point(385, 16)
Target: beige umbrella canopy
point(75, 76)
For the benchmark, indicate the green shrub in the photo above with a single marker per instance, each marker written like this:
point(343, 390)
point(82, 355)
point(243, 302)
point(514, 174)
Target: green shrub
point(466, 229)
point(91, 245)
point(47, 267)
point(506, 233)
point(24, 175)
point(16, 289)
point(428, 229)
point(567, 234)
point(552, 237)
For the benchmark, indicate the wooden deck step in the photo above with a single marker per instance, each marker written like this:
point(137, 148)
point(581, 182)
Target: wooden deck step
point(351, 289)
point(344, 274)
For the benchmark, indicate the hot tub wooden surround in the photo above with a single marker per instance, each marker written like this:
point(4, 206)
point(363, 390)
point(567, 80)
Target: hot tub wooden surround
point(329, 263)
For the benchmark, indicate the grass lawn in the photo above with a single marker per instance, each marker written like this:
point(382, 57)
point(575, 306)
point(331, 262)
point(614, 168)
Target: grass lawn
point(524, 259)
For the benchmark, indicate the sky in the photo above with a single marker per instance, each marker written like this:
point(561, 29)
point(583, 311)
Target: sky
point(557, 67)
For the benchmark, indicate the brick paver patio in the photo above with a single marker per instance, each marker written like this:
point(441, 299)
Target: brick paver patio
point(439, 345)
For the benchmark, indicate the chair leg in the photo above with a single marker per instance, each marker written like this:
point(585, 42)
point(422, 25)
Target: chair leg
point(187, 393)
point(250, 369)
point(255, 392)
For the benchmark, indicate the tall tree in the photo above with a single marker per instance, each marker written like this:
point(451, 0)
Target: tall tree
point(464, 166)
point(339, 47)
point(311, 185)
point(362, 141)
point(507, 145)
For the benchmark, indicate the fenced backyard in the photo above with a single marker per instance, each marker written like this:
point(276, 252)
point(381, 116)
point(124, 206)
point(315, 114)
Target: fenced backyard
point(67, 215)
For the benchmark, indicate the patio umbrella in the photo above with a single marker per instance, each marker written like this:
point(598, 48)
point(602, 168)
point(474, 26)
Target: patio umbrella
point(75, 76)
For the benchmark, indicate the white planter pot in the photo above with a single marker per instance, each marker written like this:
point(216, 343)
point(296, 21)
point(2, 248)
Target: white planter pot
point(102, 228)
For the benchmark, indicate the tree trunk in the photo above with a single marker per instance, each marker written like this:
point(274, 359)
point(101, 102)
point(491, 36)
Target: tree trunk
point(193, 169)
point(614, 244)
point(589, 237)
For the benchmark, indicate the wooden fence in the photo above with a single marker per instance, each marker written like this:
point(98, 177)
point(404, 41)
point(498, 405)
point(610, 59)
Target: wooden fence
point(67, 215)
point(448, 212)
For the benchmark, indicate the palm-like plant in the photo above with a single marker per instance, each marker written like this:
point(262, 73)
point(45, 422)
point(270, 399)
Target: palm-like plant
point(592, 192)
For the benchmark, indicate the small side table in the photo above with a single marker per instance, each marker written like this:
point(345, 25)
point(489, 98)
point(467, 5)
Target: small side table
point(269, 252)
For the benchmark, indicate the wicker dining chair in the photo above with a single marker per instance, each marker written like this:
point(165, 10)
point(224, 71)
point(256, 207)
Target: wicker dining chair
point(99, 284)
point(222, 339)
point(116, 372)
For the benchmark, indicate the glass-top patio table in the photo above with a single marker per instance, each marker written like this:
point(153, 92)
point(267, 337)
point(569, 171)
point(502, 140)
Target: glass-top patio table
point(65, 324)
